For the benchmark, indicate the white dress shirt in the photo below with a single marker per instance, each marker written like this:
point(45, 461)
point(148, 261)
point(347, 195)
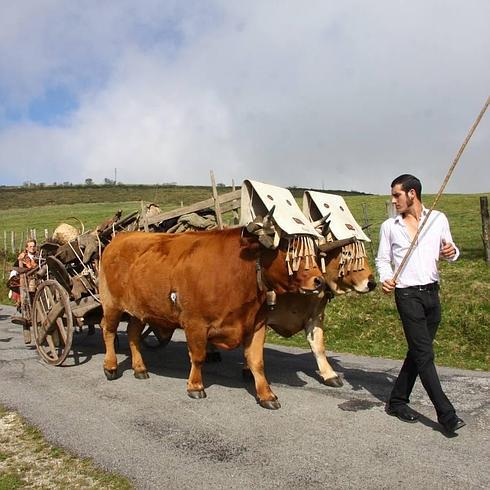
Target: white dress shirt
point(421, 267)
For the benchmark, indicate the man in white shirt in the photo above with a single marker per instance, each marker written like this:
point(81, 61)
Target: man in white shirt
point(416, 295)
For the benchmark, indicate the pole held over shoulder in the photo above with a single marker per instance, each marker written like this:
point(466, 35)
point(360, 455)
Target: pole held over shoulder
point(441, 190)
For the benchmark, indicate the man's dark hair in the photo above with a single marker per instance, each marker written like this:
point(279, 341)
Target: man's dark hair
point(408, 182)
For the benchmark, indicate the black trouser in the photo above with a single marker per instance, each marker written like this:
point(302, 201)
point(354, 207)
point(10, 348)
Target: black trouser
point(420, 313)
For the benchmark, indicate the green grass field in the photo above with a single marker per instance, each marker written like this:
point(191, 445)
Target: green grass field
point(366, 324)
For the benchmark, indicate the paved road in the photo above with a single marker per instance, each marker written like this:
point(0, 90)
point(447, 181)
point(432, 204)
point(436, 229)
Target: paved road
point(150, 431)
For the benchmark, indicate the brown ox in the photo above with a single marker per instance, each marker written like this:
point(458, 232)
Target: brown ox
point(203, 282)
point(295, 312)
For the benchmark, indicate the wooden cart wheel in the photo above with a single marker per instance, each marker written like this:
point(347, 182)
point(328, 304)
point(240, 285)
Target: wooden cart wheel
point(52, 322)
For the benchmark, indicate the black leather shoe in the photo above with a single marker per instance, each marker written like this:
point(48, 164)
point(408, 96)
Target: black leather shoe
point(403, 412)
point(453, 424)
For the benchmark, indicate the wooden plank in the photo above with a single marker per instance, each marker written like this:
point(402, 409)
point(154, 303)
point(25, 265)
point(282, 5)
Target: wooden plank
point(198, 206)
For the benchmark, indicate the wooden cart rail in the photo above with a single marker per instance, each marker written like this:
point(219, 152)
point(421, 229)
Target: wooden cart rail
point(224, 202)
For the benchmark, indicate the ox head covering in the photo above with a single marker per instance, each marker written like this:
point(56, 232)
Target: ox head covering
point(330, 213)
point(258, 199)
point(317, 205)
point(284, 220)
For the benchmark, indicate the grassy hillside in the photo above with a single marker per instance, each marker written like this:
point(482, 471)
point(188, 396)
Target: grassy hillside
point(170, 196)
point(366, 324)
point(15, 197)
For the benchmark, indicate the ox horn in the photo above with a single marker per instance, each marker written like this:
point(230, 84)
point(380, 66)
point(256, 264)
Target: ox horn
point(268, 216)
point(322, 224)
point(328, 246)
point(272, 236)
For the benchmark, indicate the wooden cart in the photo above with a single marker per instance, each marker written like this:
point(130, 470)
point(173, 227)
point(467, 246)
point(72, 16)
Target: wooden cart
point(66, 293)
point(61, 294)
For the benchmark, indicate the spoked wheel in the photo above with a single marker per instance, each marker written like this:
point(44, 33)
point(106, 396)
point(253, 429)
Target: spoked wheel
point(52, 322)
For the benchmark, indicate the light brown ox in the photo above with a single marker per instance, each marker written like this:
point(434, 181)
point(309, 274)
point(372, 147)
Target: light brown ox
point(294, 312)
point(203, 282)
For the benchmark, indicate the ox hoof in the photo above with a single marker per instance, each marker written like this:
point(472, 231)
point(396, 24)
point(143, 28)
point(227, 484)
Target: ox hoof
point(334, 382)
point(213, 356)
point(196, 394)
point(270, 404)
point(141, 375)
point(111, 374)
point(247, 375)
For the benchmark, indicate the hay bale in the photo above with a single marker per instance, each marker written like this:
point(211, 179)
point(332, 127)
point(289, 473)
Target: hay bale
point(64, 233)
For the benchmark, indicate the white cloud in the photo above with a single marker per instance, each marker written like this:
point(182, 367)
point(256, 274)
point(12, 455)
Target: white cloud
point(342, 94)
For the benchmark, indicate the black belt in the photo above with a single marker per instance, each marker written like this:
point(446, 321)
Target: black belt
point(433, 286)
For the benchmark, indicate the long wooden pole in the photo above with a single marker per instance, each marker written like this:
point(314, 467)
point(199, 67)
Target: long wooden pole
point(441, 190)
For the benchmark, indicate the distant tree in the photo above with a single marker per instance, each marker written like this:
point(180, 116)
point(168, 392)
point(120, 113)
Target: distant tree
point(220, 184)
point(108, 181)
point(67, 184)
point(26, 183)
point(55, 184)
point(89, 181)
point(42, 184)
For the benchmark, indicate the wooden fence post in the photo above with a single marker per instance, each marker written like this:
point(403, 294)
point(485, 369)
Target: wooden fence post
point(219, 218)
point(236, 218)
point(366, 226)
point(485, 227)
point(12, 241)
point(4, 254)
point(390, 209)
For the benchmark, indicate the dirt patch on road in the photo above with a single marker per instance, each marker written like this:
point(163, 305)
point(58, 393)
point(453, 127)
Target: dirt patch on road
point(27, 461)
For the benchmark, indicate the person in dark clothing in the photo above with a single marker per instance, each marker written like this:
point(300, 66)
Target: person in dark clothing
point(416, 295)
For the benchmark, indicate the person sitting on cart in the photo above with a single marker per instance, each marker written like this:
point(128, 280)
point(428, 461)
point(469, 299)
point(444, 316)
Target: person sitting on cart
point(27, 259)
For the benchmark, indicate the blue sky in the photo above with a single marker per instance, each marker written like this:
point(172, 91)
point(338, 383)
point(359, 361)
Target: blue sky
point(345, 95)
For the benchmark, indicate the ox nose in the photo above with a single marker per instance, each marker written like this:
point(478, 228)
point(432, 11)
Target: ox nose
point(319, 282)
point(371, 283)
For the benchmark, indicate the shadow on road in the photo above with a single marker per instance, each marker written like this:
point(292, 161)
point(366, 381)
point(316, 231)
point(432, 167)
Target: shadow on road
point(282, 368)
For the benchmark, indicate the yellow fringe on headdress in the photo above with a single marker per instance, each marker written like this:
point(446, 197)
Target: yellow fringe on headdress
point(300, 247)
point(352, 258)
